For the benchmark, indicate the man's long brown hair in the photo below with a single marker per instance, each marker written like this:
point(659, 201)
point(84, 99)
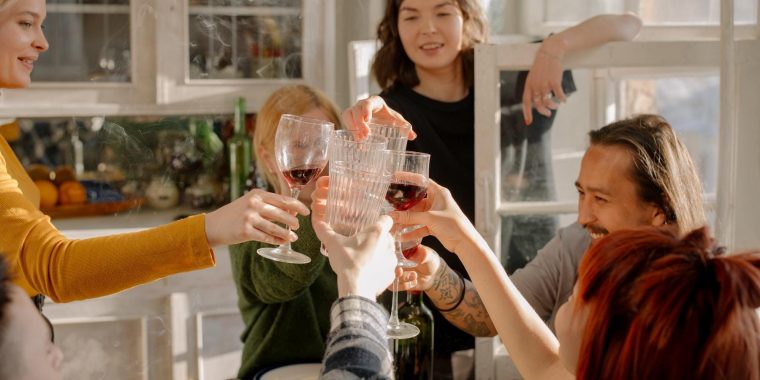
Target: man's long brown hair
point(664, 306)
point(392, 66)
point(662, 167)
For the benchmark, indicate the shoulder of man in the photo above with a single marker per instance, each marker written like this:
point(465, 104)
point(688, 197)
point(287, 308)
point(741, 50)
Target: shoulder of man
point(574, 240)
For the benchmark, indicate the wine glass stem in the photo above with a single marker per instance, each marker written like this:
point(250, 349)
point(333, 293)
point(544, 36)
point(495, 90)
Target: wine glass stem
point(399, 252)
point(393, 321)
point(294, 192)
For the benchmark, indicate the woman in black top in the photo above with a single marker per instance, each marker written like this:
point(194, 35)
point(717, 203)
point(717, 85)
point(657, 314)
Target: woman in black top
point(425, 69)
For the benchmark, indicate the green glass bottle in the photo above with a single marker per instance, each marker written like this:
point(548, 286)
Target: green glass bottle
point(413, 358)
point(239, 150)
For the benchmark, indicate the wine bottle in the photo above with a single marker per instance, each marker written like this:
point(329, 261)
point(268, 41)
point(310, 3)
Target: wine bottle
point(239, 150)
point(413, 358)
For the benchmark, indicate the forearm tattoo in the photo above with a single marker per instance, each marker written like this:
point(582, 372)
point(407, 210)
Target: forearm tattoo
point(471, 315)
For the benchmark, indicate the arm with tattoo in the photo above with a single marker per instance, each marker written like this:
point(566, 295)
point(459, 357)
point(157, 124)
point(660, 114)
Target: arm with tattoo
point(470, 314)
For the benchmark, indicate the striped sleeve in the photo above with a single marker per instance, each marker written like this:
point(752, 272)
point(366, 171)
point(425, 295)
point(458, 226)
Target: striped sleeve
point(357, 346)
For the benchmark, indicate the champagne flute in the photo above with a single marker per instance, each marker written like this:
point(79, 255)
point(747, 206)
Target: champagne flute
point(408, 186)
point(300, 146)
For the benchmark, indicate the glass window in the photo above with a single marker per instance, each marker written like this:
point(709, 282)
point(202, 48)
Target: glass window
point(697, 12)
point(691, 105)
point(89, 42)
point(576, 10)
point(239, 40)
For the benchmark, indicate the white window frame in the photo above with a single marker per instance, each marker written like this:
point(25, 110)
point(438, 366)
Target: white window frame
point(739, 64)
point(532, 22)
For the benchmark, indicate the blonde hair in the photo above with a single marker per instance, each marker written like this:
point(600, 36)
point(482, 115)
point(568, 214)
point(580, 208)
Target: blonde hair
point(296, 100)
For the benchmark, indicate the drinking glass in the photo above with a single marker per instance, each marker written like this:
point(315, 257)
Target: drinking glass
point(360, 163)
point(368, 154)
point(355, 197)
point(395, 131)
point(300, 147)
point(408, 184)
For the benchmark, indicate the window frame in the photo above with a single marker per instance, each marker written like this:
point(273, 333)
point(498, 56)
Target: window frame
point(739, 65)
point(533, 23)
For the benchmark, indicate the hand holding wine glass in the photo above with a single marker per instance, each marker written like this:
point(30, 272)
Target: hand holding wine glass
point(439, 215)
point(254, 216)
point(301, 155)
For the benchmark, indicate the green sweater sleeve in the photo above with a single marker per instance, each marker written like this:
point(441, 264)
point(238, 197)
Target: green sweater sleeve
point(276, 282)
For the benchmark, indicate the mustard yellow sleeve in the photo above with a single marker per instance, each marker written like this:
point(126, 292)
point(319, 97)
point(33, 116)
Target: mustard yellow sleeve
point(44, 261)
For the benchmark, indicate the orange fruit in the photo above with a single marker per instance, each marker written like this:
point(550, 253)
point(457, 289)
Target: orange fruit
point(64, 173)
point(48, 193)
point(72, 193)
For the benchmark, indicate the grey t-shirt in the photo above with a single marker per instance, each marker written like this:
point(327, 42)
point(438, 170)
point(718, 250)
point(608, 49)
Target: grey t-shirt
point(547, 281)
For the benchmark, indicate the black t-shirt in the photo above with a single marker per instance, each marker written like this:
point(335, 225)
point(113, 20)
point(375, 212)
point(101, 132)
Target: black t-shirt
point(446, 130)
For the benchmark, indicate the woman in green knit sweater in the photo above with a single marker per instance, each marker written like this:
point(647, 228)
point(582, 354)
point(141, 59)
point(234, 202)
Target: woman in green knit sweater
point(285, 307)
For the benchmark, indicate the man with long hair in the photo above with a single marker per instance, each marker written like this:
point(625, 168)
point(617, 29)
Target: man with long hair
point(635, 173)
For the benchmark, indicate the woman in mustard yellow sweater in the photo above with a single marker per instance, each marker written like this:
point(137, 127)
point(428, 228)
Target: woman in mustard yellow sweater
point(44, 262)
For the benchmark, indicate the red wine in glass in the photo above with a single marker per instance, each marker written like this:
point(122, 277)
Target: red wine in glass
point(301, 175)
point(409, 251)
point(402, 195)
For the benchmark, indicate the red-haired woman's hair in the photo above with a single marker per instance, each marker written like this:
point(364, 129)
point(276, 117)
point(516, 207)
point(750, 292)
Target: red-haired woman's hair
point(662, 307)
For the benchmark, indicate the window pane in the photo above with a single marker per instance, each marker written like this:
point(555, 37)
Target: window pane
point(697, 12)
point(242, 40)
point(577, 10)
point(541, 162)
point(88, 43)
point(651, 11)
point(691, 105)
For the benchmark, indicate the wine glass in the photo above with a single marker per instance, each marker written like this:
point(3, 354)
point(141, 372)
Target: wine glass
point(409, 180)
point(408, 186)
point(300, 148)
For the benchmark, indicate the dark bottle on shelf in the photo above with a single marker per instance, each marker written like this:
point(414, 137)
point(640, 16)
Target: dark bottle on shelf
point(239, 150)
point(413, 358)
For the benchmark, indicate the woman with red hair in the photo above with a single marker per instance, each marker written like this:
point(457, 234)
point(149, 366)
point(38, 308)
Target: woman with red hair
point(649, 304)
point(655, 302)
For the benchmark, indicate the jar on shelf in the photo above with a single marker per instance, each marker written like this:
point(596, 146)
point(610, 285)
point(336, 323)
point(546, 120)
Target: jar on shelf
point(161, 193)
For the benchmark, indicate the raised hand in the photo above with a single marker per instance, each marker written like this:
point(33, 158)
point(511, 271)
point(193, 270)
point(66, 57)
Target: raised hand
point(544, 80)
point(441, 217)
point(364, 263)
point(357, 116)
point(254, 216)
